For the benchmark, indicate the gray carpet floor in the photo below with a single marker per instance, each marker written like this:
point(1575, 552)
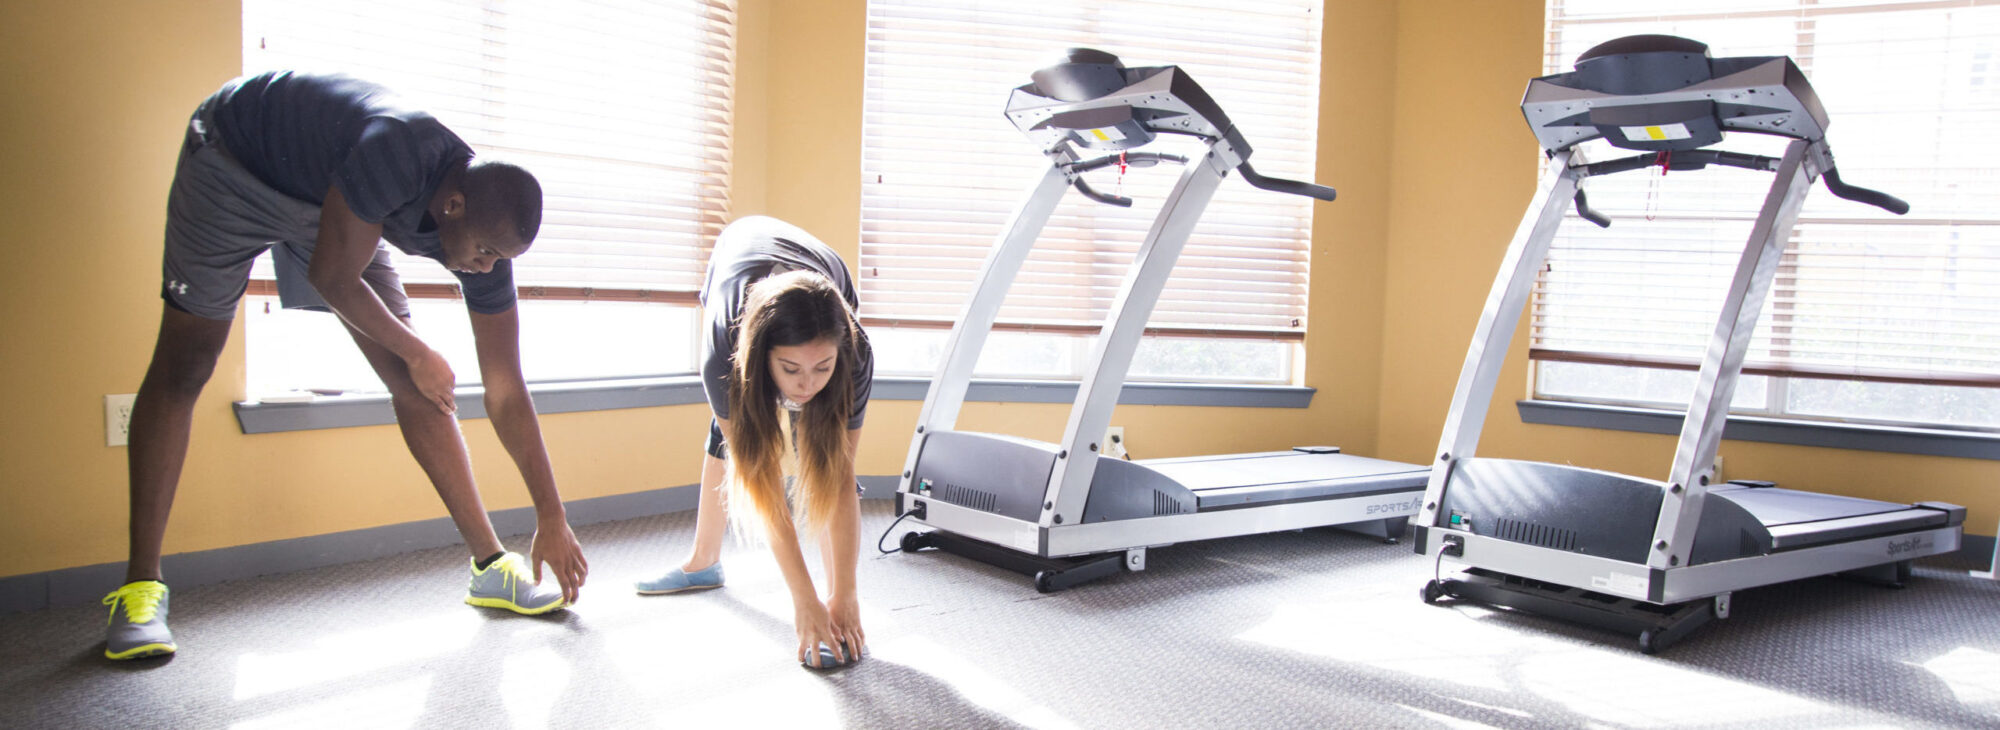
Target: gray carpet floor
point(1318, 628)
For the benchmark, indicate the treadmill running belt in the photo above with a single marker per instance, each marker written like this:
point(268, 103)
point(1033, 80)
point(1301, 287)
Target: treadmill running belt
point(1241, 480)
point(1775, 506)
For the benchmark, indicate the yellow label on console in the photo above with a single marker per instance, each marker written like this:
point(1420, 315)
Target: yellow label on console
point(1656, 132)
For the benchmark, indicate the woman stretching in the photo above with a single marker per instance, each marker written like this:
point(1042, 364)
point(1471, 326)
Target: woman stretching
point(787, 372)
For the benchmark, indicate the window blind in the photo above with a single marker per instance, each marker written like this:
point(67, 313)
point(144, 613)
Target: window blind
point(943, 169)
point(1912, 90)
point(621, 108)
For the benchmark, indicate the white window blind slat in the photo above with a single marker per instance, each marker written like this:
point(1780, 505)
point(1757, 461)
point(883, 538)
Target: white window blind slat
point(942, 169)
point(621, 109)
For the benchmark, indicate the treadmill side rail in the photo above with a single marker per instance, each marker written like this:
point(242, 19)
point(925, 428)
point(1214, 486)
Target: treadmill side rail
point(1099, 537)
point(1702, 581)
point(1589, 572)
point(1679, 585)
point(1120, 535)
point(1793, 537)
point(1019, 535)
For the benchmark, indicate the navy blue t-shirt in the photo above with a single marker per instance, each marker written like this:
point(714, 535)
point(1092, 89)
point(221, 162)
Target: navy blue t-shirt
point(304, 133)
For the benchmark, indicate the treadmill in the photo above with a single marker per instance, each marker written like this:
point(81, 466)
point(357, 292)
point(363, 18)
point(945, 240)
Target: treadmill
point(1655, 558)
point(1061, 511)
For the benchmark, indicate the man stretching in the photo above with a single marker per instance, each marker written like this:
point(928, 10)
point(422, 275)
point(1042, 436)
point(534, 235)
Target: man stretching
point(320, 170)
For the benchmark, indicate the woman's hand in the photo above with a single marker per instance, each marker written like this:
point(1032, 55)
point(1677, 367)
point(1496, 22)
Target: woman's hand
point(845, 611)
point(815, 627)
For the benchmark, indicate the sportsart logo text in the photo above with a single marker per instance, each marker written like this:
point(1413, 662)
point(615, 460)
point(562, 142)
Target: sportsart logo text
point(1898, 547)
point(1387, 507)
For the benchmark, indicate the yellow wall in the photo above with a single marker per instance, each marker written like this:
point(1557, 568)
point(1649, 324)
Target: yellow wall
point(101, 87)
point(1465, 169)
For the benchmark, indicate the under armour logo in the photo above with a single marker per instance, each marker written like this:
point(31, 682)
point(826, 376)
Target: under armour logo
point(177, 287)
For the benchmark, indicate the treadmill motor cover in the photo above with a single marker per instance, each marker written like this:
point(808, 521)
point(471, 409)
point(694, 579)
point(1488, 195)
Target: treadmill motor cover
point(1006, 475)
point(1587, 511)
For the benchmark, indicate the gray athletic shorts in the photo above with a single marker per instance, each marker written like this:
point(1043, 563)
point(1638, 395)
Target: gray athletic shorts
point(220, 217)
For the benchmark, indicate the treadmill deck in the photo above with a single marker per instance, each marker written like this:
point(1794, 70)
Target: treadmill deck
point(1244, 480)
point(1802, 519)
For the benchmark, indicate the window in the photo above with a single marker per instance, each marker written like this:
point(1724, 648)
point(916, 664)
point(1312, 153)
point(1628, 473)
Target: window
point(1873, 317)
point(943, 171)
point(622, 109)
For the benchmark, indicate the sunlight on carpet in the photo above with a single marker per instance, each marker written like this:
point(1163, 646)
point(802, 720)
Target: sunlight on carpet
point(1973, 676)
point(354, 653)
point(1458, 648)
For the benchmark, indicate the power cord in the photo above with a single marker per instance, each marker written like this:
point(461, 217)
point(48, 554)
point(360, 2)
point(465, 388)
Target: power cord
point(917, 510)
point(1454, 546)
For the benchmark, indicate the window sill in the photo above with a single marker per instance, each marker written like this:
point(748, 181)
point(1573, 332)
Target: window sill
point(343, 411)
point(1894, 439)
point(373, 409)
point(1134, 394)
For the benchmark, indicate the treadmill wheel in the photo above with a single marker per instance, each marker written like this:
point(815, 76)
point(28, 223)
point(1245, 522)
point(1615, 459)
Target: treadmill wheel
point(1432, 591)
point(914, 541)
point(1045, 581)
point(1648, 642)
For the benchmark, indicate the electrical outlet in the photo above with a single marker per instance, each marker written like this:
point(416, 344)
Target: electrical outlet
point(117, 418)
point(1114, 442)
point(1718, 478)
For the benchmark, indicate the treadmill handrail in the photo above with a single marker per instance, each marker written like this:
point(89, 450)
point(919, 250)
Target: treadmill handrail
point(1699, 159)
point(1860, 194)
point(1281, 185)
point(1135, 159)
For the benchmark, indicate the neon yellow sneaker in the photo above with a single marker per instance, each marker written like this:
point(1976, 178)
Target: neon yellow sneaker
point(137, 626)
point(508, 584)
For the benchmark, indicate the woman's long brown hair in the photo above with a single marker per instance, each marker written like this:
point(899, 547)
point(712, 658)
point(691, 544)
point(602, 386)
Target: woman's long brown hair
point(784, 310)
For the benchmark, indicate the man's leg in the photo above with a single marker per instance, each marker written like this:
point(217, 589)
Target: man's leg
point(183, 359)
point(437, 444)
point(711, 517)
point(434, 439)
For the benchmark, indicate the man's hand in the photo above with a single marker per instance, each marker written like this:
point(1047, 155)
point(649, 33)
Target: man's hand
point(557, 546)
point(845, 612)
point(435, 381)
